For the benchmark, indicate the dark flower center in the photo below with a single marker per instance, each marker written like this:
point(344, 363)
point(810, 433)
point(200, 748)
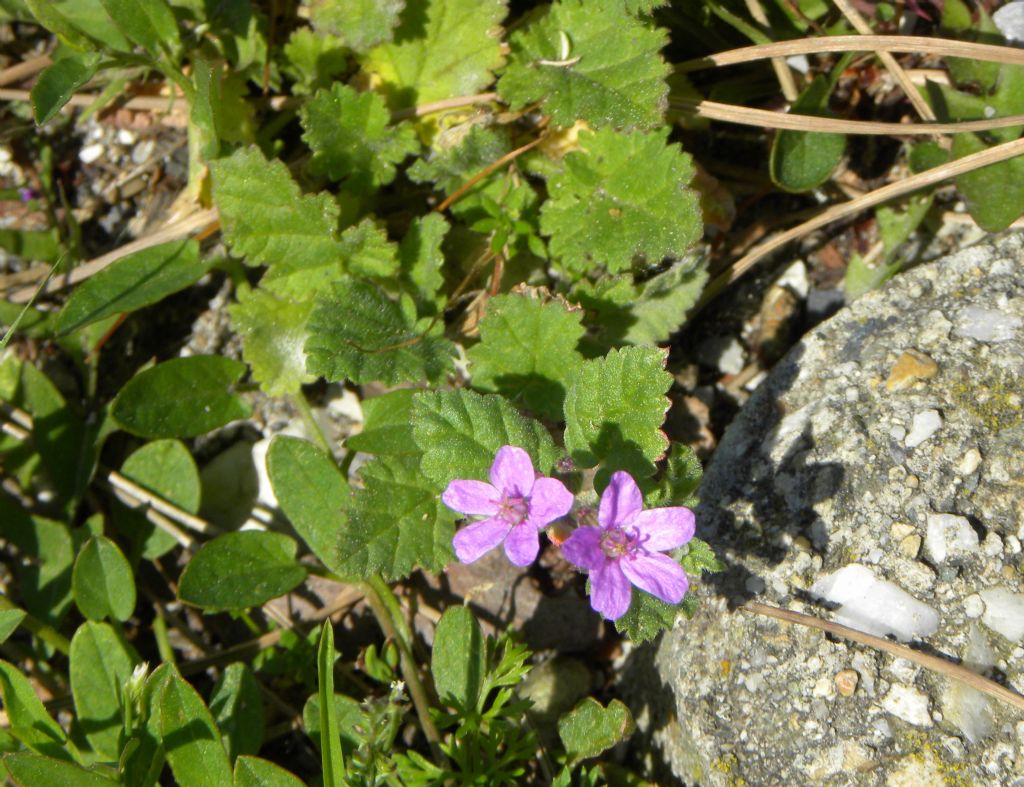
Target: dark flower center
point(513, 509)
point(617, 543)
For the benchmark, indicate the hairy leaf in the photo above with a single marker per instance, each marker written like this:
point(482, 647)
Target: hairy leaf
point(589, 729)
point(624, 196)
point(527, 352)
point(273, 332)
point(31, 769)
point(589, 60)
point(368, 252)
point(803, 160)
point(150, 23)
point(361, 24)
point(352, 139)
point(421, 261)
point(459, 658)
point(387, 429)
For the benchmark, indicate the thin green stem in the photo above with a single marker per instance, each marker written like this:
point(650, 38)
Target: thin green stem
point(163, 642)
point(312, 425)
point(44, 631)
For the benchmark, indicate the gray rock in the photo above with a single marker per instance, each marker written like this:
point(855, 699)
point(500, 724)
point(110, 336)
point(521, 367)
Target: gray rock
point(818, 486)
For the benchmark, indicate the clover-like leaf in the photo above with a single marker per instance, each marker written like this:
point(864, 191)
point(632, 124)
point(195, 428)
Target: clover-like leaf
point(528, 352)
point(460, 432)
point(351, 137)
point(589, 61)
point(359, 334)
point(102, 581)
point(622, 197)
point(442, 49)
point(614, 410)
point(361, 24)
point(395, 522)
point(268, 221)
point(273, 332)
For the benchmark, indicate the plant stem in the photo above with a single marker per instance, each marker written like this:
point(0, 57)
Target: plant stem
point(385, 608)
point(44, 631)
point(163, 643)
point(312, 425)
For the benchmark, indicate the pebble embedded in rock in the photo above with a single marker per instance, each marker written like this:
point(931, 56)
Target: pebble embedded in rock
point(925, 424)
point(1004, 612)
point(990, 326)
point(846, 682)
point(971, 460)
point(909, 368)
point(949, 536)
point(909, 704)
point(974, 607)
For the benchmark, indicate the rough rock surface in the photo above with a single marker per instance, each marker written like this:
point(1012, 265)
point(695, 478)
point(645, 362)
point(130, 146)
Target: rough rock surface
point(875, 478)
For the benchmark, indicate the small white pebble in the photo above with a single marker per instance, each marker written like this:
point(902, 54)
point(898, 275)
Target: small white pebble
point(90, 153)
point(1013, 544)
point(925, 424)
point(970, 461)
point(974, 607)
point(126, 137)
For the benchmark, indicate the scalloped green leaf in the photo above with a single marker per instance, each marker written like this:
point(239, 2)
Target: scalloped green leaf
point(589, 729)
point(527, 352)
point(352, 139)
point(273, 332)
point(395, 522)
point(268, 221)
point(357, 333)
point(441, 49)
point(100, 664)
point(102, 581)
point(361, 24)
point(312, 493)
point(459, 433)
point(589, 61)
point(421, 262)
point(190, 737)
point(138, 280)
point(183, 397)
point(622, 197)
point(368, 252)
point(241, 570)
point(648, 616)
point(614, 410)
point(387, 428)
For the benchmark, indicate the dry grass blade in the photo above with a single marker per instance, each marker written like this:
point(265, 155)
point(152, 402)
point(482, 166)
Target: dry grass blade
point(934, 663)
point(24, 70)
point(729, 113)
point(782, 71)
point(993, 155)
point(943, 47)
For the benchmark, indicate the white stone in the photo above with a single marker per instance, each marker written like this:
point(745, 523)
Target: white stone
point(925, 424)
point(875, 606)
point(1004, 612)
point(969, 710)
point(974, 607)
point(993, 545)
point(126, 137)
point(949, 536)
point(907, 703)
point(725, 353)
point(986, 325)
point(90, 153)
point(795, 279)
point(1010, 21)
point(971, 460)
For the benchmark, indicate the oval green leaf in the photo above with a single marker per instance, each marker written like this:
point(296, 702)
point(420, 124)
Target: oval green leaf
point(256, 772)
point(33, 770)
point(802, 160)
point(132, 282)
point(100, 664)
point(190, 737)
point(102, 581)
point(241, 570)
point(183, 397)
point(458, 661)
point(29, 722)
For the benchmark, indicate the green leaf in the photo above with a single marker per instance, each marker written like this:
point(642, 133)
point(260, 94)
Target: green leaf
point(458, 660)
point(33, 770)
point(352, 139)
point(387, 429)
point(994, 194)
point(803, 160)
point(268, 221)
point(589, 729)
point(358, 333)
point(347, 711)
point(527, 352)
point(459, 433)
point(622, 197)
point(256, 772)
point(240, 570)
point(10, 619)
point(368, 252)
point(29, 722)
point(39, 245)
point(237, 706)
point(58, 83)
point(90, 17)
point(442, 49)
point(47, 552)
point(698, 558)
point(860, 277)
point(190, 737)
point(138, 280)
point(330, 742)
point(273, 333)
point(313, 61)
point(311, 491)
point(103, 582)
point(614, 410)
point(150, 23)
point(101, 662)
point(451, 165)
point(361, 24)
point(648, 616)
point(592, 61)
point(143, 758)
point(166, 468)
point(421, 261)
point(183, 397)
point(682, 476)
point(395, 522)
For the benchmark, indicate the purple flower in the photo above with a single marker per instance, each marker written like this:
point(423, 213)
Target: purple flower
point(517, 504)
point(626, 549)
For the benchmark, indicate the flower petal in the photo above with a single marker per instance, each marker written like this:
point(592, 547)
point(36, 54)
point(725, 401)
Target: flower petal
point(610, 592)
point(522, 544)
point(474, 540)
point(583, 548)
point(473, 498)
point(512, 471)
point(620, 500)
point(664, 528)
point(658, 574)
point(548, 501)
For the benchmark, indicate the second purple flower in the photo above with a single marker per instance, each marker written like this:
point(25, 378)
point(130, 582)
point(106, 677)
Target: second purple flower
point(517, 506)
